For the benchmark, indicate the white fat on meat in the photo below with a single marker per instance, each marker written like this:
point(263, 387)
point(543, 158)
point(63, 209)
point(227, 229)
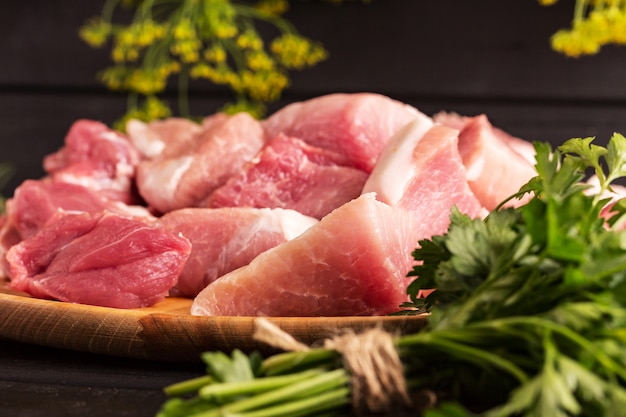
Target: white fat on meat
point(497, 163)
point(152, 138)
point(219, 149)
point(421, 171)
point(162, 182)
point(394, 168)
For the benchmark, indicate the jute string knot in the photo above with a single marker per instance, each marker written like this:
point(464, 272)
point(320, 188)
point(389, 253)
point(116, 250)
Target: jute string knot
point(377, 379)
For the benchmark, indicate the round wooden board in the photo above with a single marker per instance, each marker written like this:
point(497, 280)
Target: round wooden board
point(165, 332)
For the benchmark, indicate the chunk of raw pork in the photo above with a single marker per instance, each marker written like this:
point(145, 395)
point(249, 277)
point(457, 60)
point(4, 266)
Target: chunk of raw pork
point(421, 171)
point(356, 126)
point(228, 238)
point(289, 173)
point(187, 173)
point(497, 164)
point(96, 157)
point(35, 202)
point(353, 262)
point(153, 138)
point(99, 259)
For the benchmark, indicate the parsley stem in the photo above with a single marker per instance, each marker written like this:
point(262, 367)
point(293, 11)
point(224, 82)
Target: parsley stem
point(288, 361)
point(187, 387)
point(309, 387)
point(224, 390)
point(581, 341)
point(462, 351)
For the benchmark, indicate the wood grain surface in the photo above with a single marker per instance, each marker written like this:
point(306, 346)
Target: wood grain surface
point(165, 332)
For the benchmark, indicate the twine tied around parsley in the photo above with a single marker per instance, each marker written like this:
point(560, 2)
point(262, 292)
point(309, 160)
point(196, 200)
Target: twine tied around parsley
point(376, 371)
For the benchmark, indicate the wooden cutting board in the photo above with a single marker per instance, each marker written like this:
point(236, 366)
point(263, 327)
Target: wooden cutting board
point(164, 332)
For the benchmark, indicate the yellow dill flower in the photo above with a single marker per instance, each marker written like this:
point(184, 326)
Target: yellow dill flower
point(95, 32)
point(188, 50)
point(201, 70)
point(273, 7)
point(250, 40)
point(294, 51)
point(255, 109)
point(156, 109)
point(146, 81)
point(259, 61)
point(547, 2)
point(572, 44)
point(264, 86)
point(114, 78)
point(617, 26)
point(215, 53)
point(596, 27)
point(184, 29)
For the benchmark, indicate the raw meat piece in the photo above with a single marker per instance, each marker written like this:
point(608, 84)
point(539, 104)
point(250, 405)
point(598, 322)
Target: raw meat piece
point(99, 259)
point(420, 170)
point(225, 239)
point(98, 158)
point(497, 163)
point(185, 175)
point(353, 262)
point(151, 139)
point(354, 125)
point(288, 173)
point(35, 202)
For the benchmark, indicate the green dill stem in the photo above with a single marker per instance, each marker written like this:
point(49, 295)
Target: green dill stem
point(229, 389)
point(108, 9)
point(183, 87)
point(285, 362)
point(464, 352)
point(252, 12)
point(187, 387)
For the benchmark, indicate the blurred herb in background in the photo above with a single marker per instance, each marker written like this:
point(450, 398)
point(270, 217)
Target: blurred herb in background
point(596, 23)
point(6, 171)
point(214, 40)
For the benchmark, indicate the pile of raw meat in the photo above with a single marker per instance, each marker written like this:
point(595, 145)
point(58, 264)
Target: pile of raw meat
point(313, 211)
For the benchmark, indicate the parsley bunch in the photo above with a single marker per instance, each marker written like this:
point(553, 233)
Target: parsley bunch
point(527, 317)
point(532, 299)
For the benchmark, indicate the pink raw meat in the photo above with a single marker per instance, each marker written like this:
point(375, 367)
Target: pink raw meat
point(98, 158)
point(153, 138)
point(421, 171)
point(186, 174)
point(99, 259)
point(497, 163)
point(288, 173)
point(228, 238)
point(354, 125)
point(35, 202)
point(353, 262)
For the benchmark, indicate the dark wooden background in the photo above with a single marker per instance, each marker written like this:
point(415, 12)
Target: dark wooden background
point(469, 56)
point(478, 56)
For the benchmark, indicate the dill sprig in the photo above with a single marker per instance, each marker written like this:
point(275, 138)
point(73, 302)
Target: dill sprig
point(595, 23)
point(213, 40)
